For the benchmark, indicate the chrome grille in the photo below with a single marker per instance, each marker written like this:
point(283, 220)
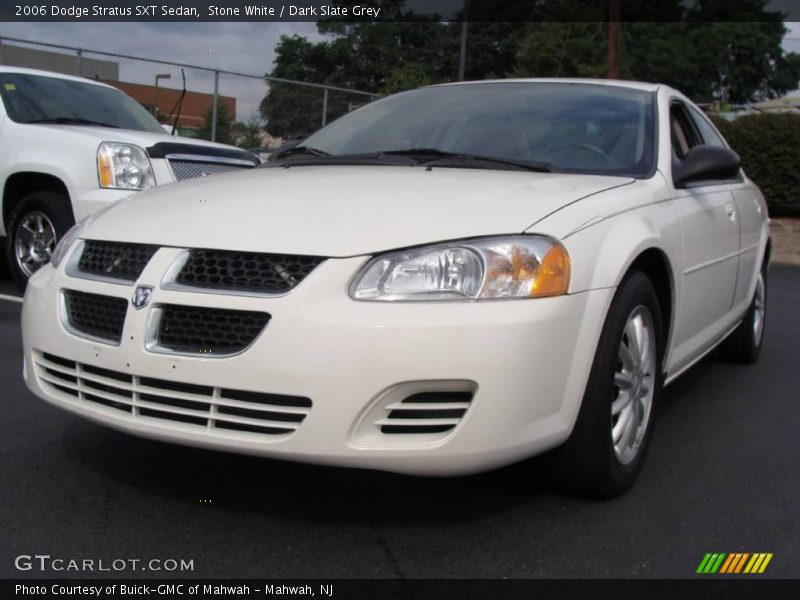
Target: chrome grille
point(116, 260)
point(245, 271)
point(189, 169)
point(220, 411)
point(427, 412)
point(203, 330)
point(94, 315)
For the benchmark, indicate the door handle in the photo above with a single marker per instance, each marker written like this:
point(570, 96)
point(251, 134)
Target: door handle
point(730, 210)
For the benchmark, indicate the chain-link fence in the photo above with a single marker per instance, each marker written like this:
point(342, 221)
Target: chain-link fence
point(216, 104)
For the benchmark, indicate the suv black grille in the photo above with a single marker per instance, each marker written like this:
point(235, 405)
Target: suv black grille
point(245, 271)
point(199, 330)
point(115, 259)
point(95, 315)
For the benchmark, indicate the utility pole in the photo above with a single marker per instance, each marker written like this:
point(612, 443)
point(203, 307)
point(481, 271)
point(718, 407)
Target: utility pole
point(614, 30)
point(462, 57)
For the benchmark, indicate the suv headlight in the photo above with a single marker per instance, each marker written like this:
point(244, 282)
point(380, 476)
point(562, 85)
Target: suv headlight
point(65, 243)
point(124, 166)
point(525, 266)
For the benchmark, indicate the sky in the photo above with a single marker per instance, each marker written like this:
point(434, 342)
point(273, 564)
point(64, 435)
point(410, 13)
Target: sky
point(241, 47)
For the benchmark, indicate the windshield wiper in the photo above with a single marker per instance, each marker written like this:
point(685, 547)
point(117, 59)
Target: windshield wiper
point(303, 150)
point(72, 121)
point(435, 155)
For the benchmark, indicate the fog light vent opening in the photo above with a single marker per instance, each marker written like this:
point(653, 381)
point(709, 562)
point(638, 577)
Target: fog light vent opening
point(426, 413)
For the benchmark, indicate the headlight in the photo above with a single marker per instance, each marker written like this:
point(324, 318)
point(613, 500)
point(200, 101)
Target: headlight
point(124, 166)
point(66, 242)
point(526, 266)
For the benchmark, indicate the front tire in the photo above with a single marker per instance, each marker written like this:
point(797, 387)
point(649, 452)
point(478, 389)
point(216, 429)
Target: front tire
point(35, 226)
point(607, 447)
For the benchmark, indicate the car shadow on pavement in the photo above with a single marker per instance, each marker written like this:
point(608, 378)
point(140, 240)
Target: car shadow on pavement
point(301, 492)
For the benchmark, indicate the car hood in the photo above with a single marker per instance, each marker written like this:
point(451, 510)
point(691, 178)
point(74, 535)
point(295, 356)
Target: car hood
point(338, 211)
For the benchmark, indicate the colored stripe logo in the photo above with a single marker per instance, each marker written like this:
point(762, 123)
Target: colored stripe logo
point(734, 563)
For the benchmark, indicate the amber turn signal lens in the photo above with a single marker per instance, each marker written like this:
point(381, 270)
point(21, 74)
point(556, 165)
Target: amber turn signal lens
point(104, 170)
point(552, 279)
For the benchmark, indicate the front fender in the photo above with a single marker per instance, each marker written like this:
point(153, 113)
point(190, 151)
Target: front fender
point(602, 253)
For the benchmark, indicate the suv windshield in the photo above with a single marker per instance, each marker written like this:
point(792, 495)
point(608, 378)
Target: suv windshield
point(41, 99)
point(571, 127)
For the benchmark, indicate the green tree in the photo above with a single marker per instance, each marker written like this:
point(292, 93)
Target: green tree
point(550, 49)
point(734, 62)
point(224, 124)
point(699, 50)
point(379, 57)
point(248, 134)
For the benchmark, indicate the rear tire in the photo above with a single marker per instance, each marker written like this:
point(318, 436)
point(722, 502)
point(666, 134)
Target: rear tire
point(34, 228)
point(608, 444)
point(744, 344)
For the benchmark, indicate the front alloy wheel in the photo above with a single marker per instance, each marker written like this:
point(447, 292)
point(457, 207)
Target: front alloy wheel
point(35, 240)
point(633, 385)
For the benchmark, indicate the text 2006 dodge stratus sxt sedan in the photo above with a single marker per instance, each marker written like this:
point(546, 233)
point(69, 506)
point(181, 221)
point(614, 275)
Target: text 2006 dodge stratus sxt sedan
point(442, 282)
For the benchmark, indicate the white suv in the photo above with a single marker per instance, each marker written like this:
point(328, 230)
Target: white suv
point(71, 146)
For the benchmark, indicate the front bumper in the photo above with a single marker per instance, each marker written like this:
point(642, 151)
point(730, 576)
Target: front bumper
point(527, 362)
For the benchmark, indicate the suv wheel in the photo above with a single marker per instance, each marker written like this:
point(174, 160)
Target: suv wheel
point(35, 226)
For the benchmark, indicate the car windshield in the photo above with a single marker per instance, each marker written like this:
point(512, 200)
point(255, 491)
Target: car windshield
point(41, 99)
point(571, 127)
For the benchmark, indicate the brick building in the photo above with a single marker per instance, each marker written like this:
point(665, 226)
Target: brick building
point(160, 101)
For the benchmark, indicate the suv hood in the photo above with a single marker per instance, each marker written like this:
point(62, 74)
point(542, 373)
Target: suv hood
point(95, 135)
point(338, 211)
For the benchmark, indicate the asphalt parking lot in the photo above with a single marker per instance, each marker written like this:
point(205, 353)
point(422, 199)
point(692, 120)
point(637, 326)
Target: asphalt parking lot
point(722, 476)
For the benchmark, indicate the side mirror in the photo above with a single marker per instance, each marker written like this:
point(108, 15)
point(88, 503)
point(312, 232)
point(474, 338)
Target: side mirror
point(705, 163)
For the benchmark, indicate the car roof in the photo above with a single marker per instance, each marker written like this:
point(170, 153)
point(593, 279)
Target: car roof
point(43, 73)
point(636, 85)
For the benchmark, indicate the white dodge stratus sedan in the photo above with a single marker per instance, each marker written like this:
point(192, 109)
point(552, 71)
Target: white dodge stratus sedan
point(442, 282)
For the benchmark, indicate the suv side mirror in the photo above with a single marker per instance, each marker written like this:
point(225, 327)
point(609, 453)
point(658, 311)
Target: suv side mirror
point(705, 163)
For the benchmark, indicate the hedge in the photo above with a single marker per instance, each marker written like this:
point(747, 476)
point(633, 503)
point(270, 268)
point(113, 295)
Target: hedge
point(769, 146)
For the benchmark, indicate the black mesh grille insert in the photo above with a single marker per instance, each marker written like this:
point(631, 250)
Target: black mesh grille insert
point(115, 259)
point(245, 271)
point(95, 315)
point(208, 330)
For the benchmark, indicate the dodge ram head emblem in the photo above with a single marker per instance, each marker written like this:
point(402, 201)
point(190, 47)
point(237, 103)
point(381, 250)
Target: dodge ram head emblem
point(141, 296)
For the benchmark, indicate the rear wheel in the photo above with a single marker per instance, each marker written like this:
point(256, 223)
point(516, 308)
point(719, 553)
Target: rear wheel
point(744, 344)
point(35, 226)
point(608, 444)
